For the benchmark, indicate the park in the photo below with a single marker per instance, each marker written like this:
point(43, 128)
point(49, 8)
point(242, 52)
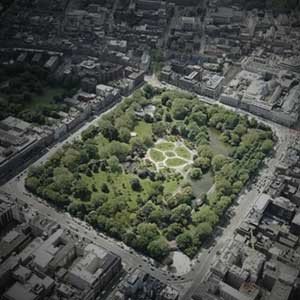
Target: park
point(157, 172)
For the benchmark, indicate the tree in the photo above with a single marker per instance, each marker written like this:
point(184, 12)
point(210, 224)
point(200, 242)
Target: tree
point(237, 186)
point(91, 150)
point(199, 117)
point(108, 130)
point(218, 162)
point(201, 232)
point(76, 209)
point(165, 99)
point(158, 248)
point(222, 204)
point(124, 135)
point(181, 214)
point(173, 230)
point(135, 184)
point(84, 157)
point(128, 120)
point(112, 206)
point(205, 151)
point(89, 133)
point(159, 216)
point(32, 183)
point(234, 139)
point(267, 146)
point(206, 214)
point(203, 163)
point(71, 159)
point(159, 129)
point(120, 150)
point(149, 91)
point(196, 173)
point(240, 130)
point(193, 130)
point(147, 232)
point(98, 199)
point(63, 179)
point(104, 188)
point(231, 120)
point(114, 164)
point(81, 191)
point(137, 144)
point(181, 108)
point(168, 117)
point(184, 240)
point(92, 218)
point(224, 187)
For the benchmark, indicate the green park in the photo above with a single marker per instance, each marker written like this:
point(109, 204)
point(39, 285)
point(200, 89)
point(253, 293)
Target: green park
point(157, 172)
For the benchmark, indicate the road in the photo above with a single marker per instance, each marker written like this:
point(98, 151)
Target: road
point(131, 259)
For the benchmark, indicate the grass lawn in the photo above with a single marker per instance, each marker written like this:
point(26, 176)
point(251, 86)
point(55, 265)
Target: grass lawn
point(165, 146)
point(157, 155)
point(203, 185)
point(171, 186)
point(175, 162)
point(169, 154)
point(183, 152)
point(217, 145)
point(119, 184)
point(143, 129)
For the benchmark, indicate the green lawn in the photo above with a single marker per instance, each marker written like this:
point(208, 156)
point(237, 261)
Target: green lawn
point(119, 184)
point(169, 154)
point(165, 146)
point(171, 186)
point(183, 152)
point(175, 162)
point(157, 155)
point(217, 145)
point(143, 129)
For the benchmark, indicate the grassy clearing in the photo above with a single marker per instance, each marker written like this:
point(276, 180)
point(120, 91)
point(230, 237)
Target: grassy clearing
point(169, 154)
point(171, 186)
point(175, 162)
point(217, 145)
point(165, 146)
point(143, 129)
point(157, 155)
point(119, 184)
point(183, 152)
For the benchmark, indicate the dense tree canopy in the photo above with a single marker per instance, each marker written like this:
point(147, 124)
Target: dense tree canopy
point(106, 179)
